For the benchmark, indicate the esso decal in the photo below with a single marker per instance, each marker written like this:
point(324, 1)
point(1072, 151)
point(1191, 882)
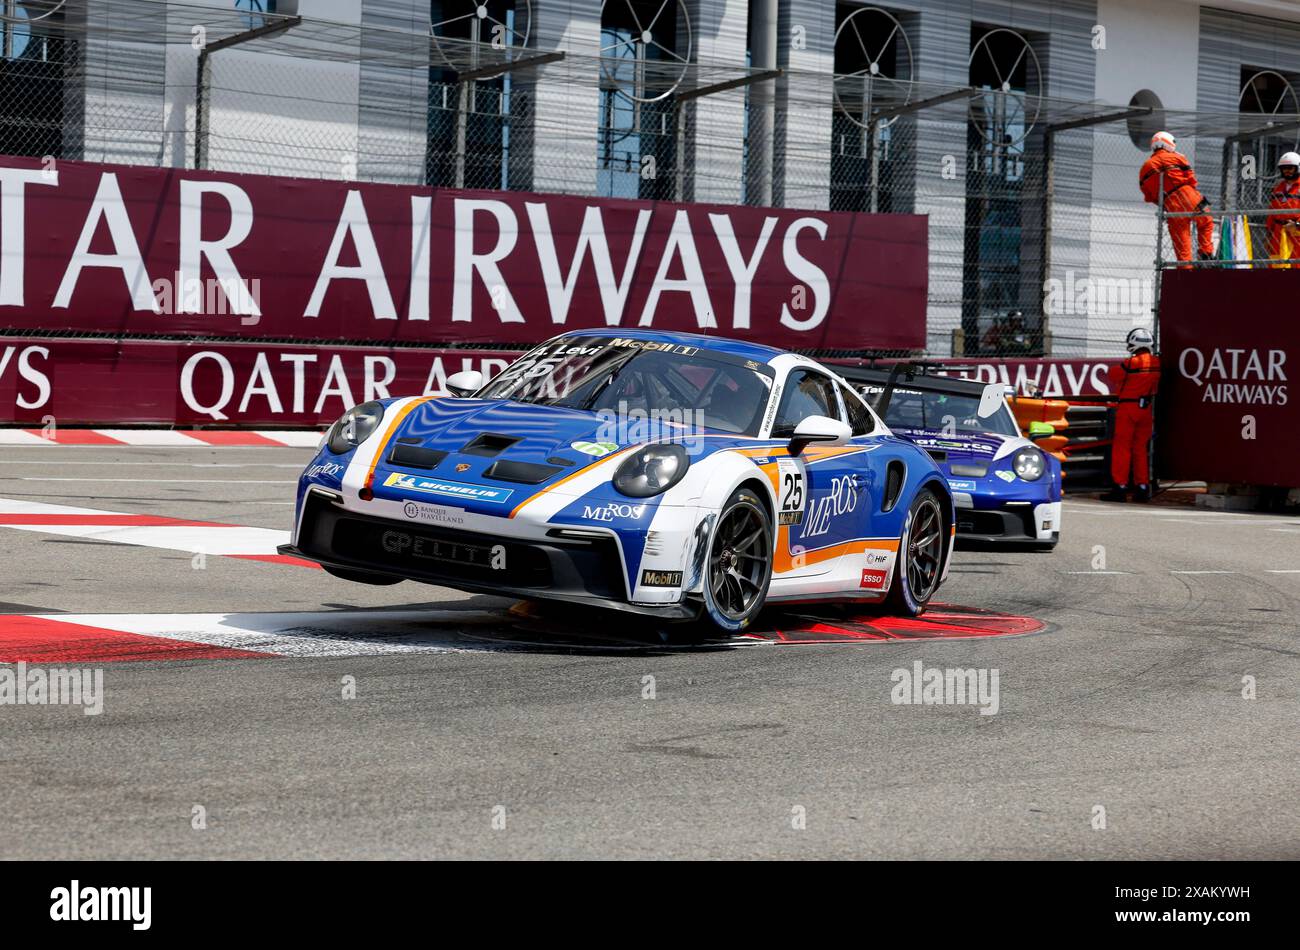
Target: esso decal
point(873, 580)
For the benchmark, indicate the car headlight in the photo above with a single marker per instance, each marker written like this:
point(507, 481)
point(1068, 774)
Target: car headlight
point(354, 427)
point(1029, 464)
point(651, 470)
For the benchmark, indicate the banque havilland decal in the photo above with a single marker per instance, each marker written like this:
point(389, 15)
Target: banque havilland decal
point(664, 473)
point(1005, 488)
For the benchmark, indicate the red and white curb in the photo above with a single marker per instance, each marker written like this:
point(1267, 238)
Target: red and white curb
point(166, 438)
point(82, 638)
point(151, 531)
point(109, 638)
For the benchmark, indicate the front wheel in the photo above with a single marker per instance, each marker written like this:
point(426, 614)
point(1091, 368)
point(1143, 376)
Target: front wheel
point(739, 564)
point(920, 557)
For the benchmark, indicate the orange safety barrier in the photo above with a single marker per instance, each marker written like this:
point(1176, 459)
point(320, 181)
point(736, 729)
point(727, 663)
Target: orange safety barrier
point(1051, 411)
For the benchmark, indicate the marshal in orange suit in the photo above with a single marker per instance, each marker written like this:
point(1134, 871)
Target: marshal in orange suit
point(1134, 381)
point(1180, 194)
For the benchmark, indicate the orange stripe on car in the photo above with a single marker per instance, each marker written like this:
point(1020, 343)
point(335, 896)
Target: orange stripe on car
point(570, 477)
point(784, 561)
point(392, 427)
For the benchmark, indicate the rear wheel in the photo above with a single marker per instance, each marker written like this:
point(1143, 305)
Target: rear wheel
point(920, 557)
point(739, 563)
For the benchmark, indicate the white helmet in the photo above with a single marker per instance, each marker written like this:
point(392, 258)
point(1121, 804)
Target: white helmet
point(1139, 338)
point(1290, 158)
point(1163, 140)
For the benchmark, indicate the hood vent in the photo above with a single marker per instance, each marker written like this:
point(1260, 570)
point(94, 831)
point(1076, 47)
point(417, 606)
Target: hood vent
point(970, 469)
point(939, 455)
point(488, 445)
point(414, 456)
point(525, 473)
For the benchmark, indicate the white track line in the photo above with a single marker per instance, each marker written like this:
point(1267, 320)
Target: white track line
point(19, 437)
point(341, 633)
point(303, 440)
point(162, 481)
point(150, 437)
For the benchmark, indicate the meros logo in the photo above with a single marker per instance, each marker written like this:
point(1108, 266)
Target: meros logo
point(842, 499)
point(612, 511)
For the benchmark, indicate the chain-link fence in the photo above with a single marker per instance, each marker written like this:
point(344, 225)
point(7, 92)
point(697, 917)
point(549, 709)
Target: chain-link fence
point(1040, 243)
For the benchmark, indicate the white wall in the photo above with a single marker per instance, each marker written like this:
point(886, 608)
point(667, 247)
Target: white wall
point(1152, 45)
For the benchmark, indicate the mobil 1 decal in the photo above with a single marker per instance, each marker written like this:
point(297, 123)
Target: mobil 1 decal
point(791, 490)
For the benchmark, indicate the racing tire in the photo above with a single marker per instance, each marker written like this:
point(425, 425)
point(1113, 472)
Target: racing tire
point(362, 577)
point(920, 557)
point(738, 565)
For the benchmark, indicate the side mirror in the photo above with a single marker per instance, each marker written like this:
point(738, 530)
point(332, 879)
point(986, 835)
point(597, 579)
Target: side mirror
point(993, 398)
point(465, 383)
point(821, 430)
point(1041, 430)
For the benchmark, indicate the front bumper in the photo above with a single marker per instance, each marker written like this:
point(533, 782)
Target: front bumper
point(1012, 524)
point(577, 571)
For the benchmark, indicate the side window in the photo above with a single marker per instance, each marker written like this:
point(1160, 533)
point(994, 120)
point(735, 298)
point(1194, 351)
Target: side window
point(859, 416)
point(806, 394)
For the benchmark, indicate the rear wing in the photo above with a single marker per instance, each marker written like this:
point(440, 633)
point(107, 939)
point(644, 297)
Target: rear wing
point(926, 377)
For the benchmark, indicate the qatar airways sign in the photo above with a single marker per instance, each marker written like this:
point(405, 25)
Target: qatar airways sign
point(145, 251)
point(1229, 350)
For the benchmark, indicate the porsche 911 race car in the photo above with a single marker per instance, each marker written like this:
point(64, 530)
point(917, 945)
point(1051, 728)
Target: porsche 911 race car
point(668, 474)
point(1006, 488)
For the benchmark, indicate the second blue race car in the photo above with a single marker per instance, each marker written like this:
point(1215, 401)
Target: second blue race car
point(1006, 489)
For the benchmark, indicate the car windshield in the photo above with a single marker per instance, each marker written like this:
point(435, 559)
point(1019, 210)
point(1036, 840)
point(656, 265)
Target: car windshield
point(682, 384)
point(951, 412)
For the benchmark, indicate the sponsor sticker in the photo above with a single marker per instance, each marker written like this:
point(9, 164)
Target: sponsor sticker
point(597, 449)
point(325, 470)
point(612, 511)
point(791, 490)
point(431, 514)
point(462, 466)
point(437, 486)
point(1006, 476)
point(874, 580)
point(961, 484)
point(661, 578)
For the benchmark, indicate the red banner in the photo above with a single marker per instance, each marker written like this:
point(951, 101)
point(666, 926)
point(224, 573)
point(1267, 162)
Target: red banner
point(147, 252)
point(96, 382)
point(1229, 342)
point(1049, 377)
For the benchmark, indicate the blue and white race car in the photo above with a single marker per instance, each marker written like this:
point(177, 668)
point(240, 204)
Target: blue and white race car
point(667, 474)
point(1006, 489)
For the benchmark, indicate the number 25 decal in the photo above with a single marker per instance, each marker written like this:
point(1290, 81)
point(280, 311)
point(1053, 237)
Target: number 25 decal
point(792, 491)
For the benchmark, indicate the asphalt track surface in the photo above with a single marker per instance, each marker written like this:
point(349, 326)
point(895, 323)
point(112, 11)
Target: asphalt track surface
point(1130, 698)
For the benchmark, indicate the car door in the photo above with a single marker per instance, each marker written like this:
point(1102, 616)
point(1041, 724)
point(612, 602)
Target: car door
point(819, 490)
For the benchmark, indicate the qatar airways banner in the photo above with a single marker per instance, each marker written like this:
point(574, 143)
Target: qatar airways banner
point(75, 382)
point(1048, 377)
point(146, 251)
point(101, 382)
point(1229, 344)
